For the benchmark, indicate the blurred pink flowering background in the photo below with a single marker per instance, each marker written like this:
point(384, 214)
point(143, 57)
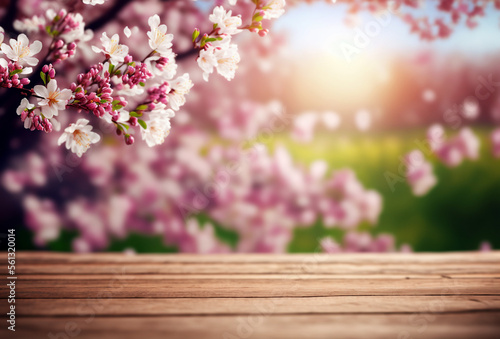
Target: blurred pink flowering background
point(347, 127)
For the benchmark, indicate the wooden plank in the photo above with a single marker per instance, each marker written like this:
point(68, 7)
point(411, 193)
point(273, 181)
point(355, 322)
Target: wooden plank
point(318, 258)
point(107, 296)
point(228, 306)
point(194, 276)
point(478, 325)
point(290, 286)
point(254, 268)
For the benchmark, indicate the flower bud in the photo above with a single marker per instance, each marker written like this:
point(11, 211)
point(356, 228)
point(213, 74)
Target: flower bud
point(133, 121)
point(59, 43)
point(129, 140)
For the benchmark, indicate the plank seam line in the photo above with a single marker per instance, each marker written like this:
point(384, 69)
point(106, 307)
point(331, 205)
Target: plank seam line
point(497, 310)
point(284, 296)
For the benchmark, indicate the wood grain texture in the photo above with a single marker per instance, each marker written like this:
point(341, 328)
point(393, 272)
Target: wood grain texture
point(230, 306)
point(110, 295)
point(257, 268)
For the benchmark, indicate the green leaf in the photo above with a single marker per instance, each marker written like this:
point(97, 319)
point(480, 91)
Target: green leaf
point(135, 114)
point(257, 17)
point(142, 123)
point(16, 71)
point(122, 127)
point(44, 79)
point(142, 84)
point(195, 35)
point(116, 105)
point(142, 107)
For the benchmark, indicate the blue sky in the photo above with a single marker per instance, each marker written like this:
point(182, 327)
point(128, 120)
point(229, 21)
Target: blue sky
point(319, 27)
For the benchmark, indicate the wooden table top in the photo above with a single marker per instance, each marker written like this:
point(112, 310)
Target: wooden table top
point(122, 296)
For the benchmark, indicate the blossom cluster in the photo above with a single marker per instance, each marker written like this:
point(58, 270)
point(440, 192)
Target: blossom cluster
point(419, 173)
point(465, 145)
point(217, 52)
point(126, 90)
point(362, 242)
point(451, 152)
point(451, 14)
point(263, 200)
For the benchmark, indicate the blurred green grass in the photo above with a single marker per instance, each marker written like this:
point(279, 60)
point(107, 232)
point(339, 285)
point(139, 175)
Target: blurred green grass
point(460, 212)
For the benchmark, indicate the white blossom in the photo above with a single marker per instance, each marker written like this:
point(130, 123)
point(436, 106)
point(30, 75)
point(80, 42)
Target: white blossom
point(226, 23)
point(25, 105)
point(207, 62)
point(21, 50)
point(274, 9)
point(168, 71)
point(93, 2)
point(30, 25)
point(76, 33)
point(227, 60)
point(79, 137)
point(127, 32)
point(124, 116)
point(223, 56)
point(127, 91)
point(53, 100)
point(179, 88)
point(112, 49)
point(159, 40)
point(158, 128)
point(161, 111)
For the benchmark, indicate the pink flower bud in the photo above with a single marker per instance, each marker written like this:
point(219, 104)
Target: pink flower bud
point(133, 121)
point(129, 140)
point(59, 43)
